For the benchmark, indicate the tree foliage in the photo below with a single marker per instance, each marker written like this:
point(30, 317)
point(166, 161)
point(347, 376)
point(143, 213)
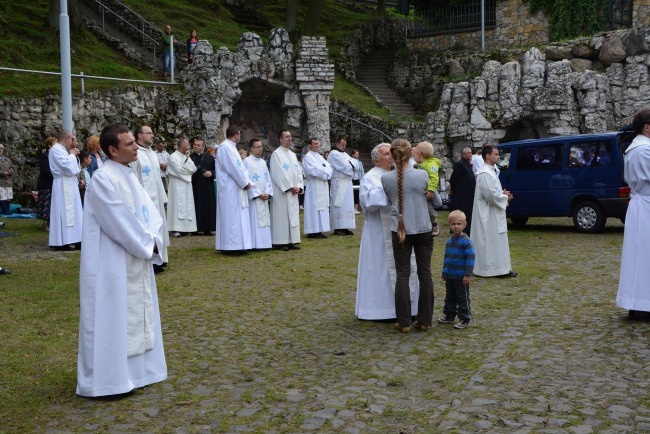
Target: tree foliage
point(571, 18)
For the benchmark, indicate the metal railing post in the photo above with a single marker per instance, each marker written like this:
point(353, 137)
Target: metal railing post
point(83, 84)
point(171, 57)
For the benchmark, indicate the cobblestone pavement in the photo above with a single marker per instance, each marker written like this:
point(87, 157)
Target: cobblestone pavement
point(546, 352)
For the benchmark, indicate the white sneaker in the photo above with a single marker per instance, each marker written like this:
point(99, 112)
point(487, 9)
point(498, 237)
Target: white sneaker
point(176, 234)
point(356, 211)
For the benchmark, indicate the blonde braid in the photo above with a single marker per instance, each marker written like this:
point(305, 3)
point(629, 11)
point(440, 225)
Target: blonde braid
point(400, 149)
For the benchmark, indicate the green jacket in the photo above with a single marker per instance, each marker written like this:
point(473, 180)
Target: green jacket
point(432, 166)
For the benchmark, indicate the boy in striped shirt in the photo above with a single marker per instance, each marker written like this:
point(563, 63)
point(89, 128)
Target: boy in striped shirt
point(456, 270)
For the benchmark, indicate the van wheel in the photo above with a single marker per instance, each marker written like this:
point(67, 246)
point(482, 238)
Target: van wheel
point(518, 221)
point(588, 218)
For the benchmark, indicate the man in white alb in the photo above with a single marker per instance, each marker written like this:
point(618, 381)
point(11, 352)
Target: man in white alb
point(341, 196)
point(286, 176)
point(65, 210)
point(163, 158)
point(259, 196)
point(147, 169)
point(317, 196)
point(233, 182)
point(181, 216)
point(120, 338)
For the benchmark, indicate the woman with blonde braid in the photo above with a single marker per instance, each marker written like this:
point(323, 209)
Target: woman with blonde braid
point(406, 189)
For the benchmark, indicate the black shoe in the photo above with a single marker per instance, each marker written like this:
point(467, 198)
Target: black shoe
point(511, 274)
point(313, 235)
point(4, 271)
point(339, 232)
point(233, 252)
point(294, 246)
point(158, 268)
point(322, 235)
point(164, 264)
point(347, 232)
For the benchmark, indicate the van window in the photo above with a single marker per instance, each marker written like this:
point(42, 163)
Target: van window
point(589, 154)
point(504, 160)
point(540, 157)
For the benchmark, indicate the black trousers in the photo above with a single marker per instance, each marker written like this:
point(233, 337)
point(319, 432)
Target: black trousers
point(422, 245)
point(456, 300)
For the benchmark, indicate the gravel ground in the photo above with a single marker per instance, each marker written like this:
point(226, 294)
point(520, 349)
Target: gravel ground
point(269, 343)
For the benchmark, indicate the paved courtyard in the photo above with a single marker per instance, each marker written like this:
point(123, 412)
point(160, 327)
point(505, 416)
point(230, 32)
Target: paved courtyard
point(269, 343)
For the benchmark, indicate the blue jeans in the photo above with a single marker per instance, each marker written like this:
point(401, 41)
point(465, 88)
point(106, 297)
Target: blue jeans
point(166, 61)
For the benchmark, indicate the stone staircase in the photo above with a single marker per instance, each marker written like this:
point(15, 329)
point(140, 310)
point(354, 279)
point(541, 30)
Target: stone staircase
point(373, 73)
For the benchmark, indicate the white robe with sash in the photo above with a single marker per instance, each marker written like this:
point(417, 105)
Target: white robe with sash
point(233, 222)
point(285, 211)
point(65, 210)
point(259, 211)
point(341, 195)
point(120, 339)
point(317, 196)
point(181, 215)
point(489, 225)
point(147, 169)
point(634, 283)
point(376, 273)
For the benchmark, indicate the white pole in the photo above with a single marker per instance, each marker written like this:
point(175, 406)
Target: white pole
point(66, 69)
point(482, 25)
point(83, 84)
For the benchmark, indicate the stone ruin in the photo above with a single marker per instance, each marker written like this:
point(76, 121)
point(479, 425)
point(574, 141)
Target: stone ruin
point(262, 90)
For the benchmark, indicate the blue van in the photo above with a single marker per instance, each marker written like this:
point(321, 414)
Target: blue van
point(573, 176)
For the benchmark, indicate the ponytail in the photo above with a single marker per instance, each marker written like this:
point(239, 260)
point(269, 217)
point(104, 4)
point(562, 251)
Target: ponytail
point(400, 149)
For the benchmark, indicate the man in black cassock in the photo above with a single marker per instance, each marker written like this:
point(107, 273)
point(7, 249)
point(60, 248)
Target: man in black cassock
point(203, 188)
point(463, 184)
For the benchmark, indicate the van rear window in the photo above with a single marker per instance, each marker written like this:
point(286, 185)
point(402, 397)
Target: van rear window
point(590, 154)
point(539, 157)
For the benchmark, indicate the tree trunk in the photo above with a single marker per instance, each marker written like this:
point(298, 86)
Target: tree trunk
point(291, 15)
point(312, 18)
point(55, 11)
point(381, 7)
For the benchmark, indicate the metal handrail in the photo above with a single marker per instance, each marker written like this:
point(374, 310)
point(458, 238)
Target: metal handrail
point(390, 139)
point(82, 76)
point(154, 43)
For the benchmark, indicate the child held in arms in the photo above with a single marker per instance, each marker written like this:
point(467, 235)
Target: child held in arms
point(425, 159)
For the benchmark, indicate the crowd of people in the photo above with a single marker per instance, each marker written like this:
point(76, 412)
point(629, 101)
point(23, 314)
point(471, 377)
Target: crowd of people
point(137, 196)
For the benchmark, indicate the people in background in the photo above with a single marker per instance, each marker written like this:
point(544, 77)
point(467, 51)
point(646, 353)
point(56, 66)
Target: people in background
point(341, 197)
point(163, 158)
point(6, 182)
point(191, 45)
point(66, 210)
point(259, 196)
point(83, 176)
point(317, 173)
point(44, 183)
point(463, 184)
point(97, 156)
point(203, 187)
point(181, 215)
point(356, 178)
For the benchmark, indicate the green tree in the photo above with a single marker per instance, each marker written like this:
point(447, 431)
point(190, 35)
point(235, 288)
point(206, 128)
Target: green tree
point(291, 15)
point(571, 18)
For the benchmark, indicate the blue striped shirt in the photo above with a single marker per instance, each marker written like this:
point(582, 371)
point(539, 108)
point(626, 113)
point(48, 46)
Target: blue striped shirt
point(459, 257)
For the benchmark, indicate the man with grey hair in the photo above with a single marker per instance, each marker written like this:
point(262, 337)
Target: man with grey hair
point(317, 172)
point(66, 210)
point(181, 216)
point(463, 184)
point(376, 273)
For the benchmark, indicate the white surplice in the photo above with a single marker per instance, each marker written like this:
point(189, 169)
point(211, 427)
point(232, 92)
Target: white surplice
point(147, 169)
point(317, 172)
point(376, 273)
point(633, 286)
point(341, 193)
point(259, 211)
point(181, 216)
point(285, 212)
point(120, 338)
point(233, 222)
point(489, 225)
point(65, 210)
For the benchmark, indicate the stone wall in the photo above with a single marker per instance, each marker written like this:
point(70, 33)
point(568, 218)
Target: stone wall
point(516, 26)
point(544, 94)
point(300, 85)
point(641, 15)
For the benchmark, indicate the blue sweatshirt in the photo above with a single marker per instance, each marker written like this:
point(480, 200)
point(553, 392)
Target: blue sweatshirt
point(459, 257)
